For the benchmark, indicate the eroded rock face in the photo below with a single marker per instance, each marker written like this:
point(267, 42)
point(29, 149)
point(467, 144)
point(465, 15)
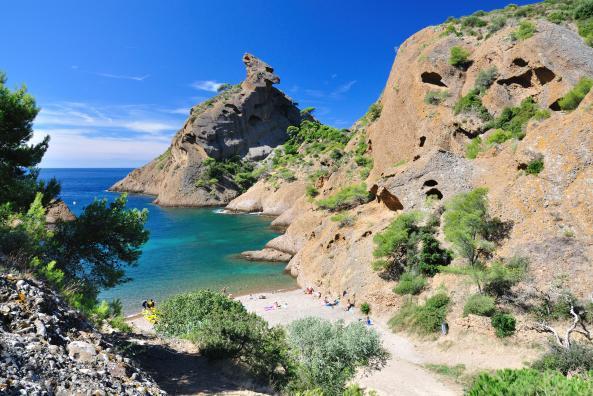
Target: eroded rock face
point(418, 150)
point(246, 121)
point(47, 348)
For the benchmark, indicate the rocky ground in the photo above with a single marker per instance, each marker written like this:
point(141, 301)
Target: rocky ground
point(47, 348)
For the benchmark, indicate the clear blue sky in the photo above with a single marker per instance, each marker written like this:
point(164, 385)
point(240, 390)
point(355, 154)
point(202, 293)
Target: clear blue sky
point(115, 79)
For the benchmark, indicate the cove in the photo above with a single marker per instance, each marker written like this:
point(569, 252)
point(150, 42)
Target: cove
point(188, 249)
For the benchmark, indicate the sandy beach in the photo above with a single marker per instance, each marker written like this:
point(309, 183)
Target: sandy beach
point(404, 373)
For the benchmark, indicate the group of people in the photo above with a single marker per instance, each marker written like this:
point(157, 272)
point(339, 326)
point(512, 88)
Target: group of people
point(148, 304)
point(328, 301)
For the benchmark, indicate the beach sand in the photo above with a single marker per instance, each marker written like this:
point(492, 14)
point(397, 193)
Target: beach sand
point(402, 375)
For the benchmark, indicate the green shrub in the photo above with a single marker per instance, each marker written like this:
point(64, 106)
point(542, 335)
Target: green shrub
point(542, 114)
point(329, 353)
point(365, 308)
point(347, 198)
point(373, 113)
point(222, 328)
point(405, 245)
point(410, 284)
point(424, 319)
point(307, 111)
point(344, 219)
point(585, 28)
point(496, 23)
point(499, 136)
point(514, 119)
point(454, 372)
point(473, 21)
point(119, 323)
point(530, 382)
point(479, 304)
point(574, 97)
point(485, 79)
point(502, 276)
point(504, 324)
point(578, 358)
point(534, 167)
point(526, 30)
point(472, 103)
point(557, 17)
point(473, 148)
point(436, 97)
point(459, 57)
point(311, 191)
point(584, 10)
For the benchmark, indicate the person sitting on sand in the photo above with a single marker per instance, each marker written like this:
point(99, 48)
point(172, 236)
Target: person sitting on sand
point(150, 304)
point(349, 306)
point(317, 294)
point(326, 301)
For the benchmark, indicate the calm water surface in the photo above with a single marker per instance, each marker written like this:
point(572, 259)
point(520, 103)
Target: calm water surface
point(188, 249)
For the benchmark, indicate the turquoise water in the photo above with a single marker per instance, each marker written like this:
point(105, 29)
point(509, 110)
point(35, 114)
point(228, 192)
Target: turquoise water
point(188, 249)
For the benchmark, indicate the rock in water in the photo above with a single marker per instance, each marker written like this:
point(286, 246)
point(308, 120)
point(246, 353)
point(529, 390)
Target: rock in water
point(245, 121)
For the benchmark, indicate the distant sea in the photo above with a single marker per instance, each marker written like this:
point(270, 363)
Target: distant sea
point(188, 249)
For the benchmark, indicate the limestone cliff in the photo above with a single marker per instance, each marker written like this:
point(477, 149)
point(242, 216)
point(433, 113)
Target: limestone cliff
point(245, 122)
point(418, 147)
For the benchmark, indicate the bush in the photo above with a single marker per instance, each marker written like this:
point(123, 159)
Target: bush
point(459, 57)
point(479, 304)
point(514, 119)
point(535, 167)
point(499, 136)
point(407, 246)
point(504, 324)
point(373, 113)
point(526, 30)
point(435, 97)
point(530, 382)
point(424, 319)
point(578, 358)
point(473, 148)
point(222, 328)
point(584, 10)
point(557, 17)
point(347, 198)
point(574, 97)
point(365, 308)
point(328, 354)
point(485, 79)
point(473, 21)
point(311, 191)
point(501, 277)
point(343, 219)
point(472, 103)
point(496, 23)
point(410, 284)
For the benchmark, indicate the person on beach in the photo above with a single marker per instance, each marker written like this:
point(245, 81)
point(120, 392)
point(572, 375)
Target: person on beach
point(144, 304)
point(150, 304)
point(349, 306)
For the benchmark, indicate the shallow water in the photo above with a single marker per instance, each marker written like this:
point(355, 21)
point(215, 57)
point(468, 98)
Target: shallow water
point(188, 249)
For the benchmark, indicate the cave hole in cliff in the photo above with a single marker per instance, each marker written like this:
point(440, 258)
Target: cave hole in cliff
point(524, 80)
point(520, 62)
point(433, 78)
point(189, 138)
point(232, 107)
point(544, 75)
point(422, 141)
point(430, 183)
point(389, 200)
point(254, 120)
point(435, 193)
point(555, 106)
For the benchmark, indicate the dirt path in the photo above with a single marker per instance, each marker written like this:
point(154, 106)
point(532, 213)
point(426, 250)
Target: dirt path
point(403, 374)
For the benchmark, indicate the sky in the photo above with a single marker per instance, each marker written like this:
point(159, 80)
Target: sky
point(116, 79)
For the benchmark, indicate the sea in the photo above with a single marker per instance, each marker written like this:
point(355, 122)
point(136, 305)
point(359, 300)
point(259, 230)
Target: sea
point(189, 248)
